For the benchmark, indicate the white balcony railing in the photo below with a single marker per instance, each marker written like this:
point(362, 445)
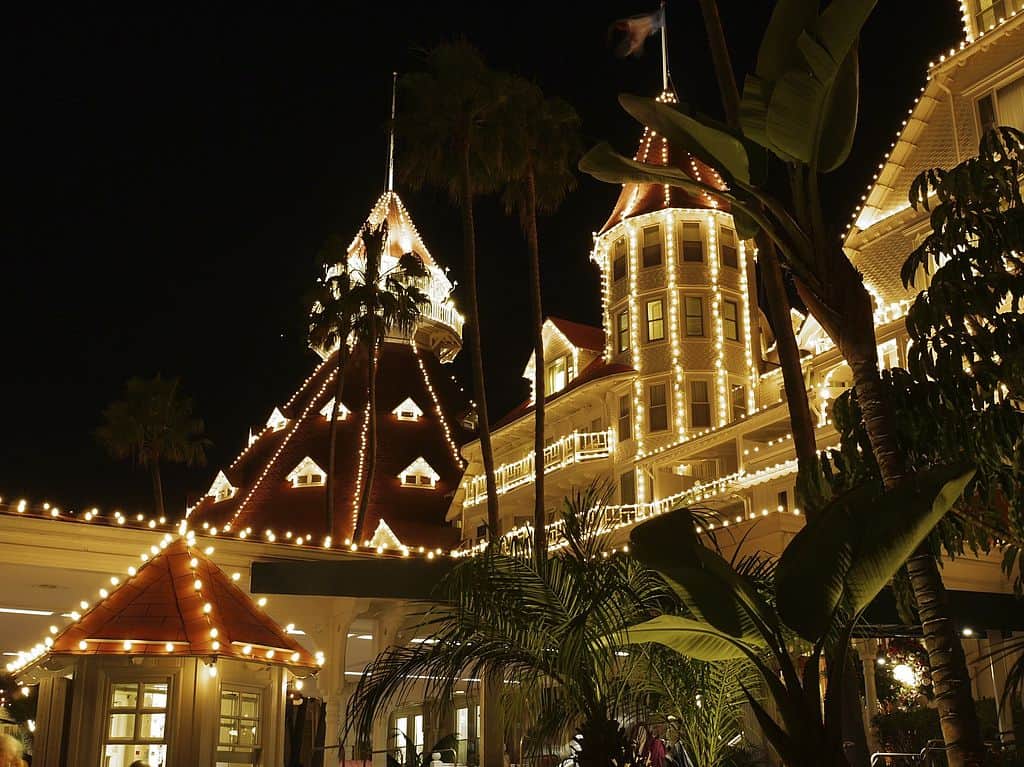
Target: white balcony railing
point(576, 447)
point(445, 314)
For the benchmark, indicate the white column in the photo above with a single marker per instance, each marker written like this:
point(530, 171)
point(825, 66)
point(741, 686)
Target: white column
point(387, 634)
point(332, 678)
point(868, 649)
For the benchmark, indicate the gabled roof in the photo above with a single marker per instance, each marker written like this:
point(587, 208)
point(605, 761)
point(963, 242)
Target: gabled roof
point(637, 199)
point(579, 335)
point(181, 603)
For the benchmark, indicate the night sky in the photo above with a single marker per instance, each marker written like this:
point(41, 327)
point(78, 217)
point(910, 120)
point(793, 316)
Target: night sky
point(171, 174)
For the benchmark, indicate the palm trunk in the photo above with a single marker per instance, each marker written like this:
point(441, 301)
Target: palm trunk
point(848, 319)
point(539, 511)
point(475, 347)
point(158, 487)
point(371, 433)
point(339, 385)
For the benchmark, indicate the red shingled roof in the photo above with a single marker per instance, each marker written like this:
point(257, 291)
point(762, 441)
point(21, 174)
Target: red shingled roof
point(266, 500)
point(637, 199)
point(581, 336)
point(161, 604)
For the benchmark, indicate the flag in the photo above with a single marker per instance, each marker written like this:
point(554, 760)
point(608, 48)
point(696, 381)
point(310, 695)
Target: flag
point(634, 30)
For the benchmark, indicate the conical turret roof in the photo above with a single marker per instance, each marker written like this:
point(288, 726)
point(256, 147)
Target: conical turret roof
point(654, 149)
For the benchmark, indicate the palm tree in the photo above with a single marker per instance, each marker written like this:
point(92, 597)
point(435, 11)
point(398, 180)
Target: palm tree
point(153, 424)
point(499, 614)
point(540, 149)
point(330, 325)
point(385, 299)
point(447, 121)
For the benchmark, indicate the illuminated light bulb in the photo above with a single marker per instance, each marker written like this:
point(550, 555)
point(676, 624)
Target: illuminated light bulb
point(216, 645)
point(104, 593)
point(144, 557)
point(169, 646)
point(25, 691)
point(83, 645)
point(208, 550)
point(298, 682)
point(132, 571)
point(262, 601)
point(211, 670)
point(84, 605)
point(207, 608)
point(289, 628)
point(213, 633)
point(270, 653)
point(114, 581)
point(197, 584)
point(235, 576)
point(127, 644)
point(247, 650)
point(53, 629)
point(75, 616)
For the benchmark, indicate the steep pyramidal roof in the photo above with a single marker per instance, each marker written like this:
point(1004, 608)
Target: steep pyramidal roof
point(181, 603)
point(276, 486)
point(637, 199)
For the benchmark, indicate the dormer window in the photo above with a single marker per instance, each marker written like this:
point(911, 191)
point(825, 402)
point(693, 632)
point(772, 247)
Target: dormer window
point(221, 489)
point(277, 421)
point(408, 411)
point(560, 372)
point(419, 473)
point(307, 474)
point(343, 412)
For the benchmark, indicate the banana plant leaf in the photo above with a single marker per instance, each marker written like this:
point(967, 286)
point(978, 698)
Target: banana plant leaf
point(805, 96)
point(778, 46)
point(840, 561)
point(692, 638)
point(717, 148)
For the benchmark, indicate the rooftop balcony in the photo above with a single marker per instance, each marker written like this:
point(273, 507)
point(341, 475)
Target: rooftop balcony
point(573, 448)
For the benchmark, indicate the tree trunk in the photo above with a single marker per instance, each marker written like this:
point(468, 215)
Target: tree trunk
point(371, 431)
point(537, 315)
point(472, 328)
point(779, 305)
point(848, 318)
point(339, 385)
point(158, 487)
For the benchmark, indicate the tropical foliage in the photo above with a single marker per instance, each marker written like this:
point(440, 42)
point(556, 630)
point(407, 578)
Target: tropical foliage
point(825, 578)
point(551, 631)
point(798, 114)
point(153, 424)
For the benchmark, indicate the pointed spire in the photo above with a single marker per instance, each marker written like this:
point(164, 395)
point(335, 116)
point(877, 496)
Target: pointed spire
point(391, 133)
point(665, 78)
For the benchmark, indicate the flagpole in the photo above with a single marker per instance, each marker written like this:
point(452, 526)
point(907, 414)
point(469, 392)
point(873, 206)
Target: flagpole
point(664, 49)
point(391, 134)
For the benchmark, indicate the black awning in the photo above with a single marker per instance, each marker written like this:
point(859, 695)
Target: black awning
point(979, 611)
point(384, 578)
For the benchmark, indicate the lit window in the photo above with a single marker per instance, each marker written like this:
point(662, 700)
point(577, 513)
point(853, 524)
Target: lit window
point(988, 12)
point(783, 501)
point(419, 473)
point(1003, 106)
point(693, 243)
point(560, 372)
point(627, 488)
point(738, 395)
point(693, 308)
point(700, 405)
point(623, 331)
point(221, 489)
point(408, 410)
point(655, 320)
point(727, 247)
point(401, 731)
point(136, 723)
point(238, 735)
point(277, 421)
point(307, 474)
point(731, 320)
point(326, 410)
point(619, 260)
point(625, 418)
point(657, 408)
point(651, 253)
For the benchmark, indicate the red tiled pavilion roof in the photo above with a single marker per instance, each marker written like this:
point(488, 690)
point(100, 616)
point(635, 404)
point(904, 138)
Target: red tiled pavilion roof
point(166, 602)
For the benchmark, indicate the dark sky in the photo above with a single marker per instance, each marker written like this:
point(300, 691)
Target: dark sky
point(171, 173)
